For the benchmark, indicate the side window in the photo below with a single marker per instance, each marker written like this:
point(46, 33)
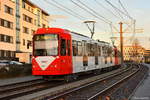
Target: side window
point(68, 45)
point(63, 47)
point(99, 50)
point(79, 48)
point(88, 47)
point(75, 48)
point(92, 50)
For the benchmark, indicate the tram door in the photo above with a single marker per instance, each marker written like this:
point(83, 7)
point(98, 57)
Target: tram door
point(65, 52)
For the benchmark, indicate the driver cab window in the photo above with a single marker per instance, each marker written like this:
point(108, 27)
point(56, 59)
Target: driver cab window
point(63, 47)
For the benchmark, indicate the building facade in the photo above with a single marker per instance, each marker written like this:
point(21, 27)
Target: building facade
point(147, 56)
point(19, 19)
point(133, 53)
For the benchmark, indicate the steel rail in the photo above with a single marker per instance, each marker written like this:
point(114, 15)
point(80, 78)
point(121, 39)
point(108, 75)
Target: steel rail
point(113, 85)
point(88, 84)
point(20, 91)
point(19, 85)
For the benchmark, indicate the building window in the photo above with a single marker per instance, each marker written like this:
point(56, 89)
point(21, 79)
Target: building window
point(8, 54)
point(35, 22)
point(25, 30)
point(5, 38)
point(23, 4)
point(6, 23)
point(38, 14)
point(24, 42)
point(8, 10)
point(29, 44)
point(2, 53)
point(27, 18)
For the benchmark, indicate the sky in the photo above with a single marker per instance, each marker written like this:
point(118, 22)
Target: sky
point(139, 10)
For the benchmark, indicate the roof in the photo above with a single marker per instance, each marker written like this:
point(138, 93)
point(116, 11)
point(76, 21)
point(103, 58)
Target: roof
point(52, 30)
point(31, 3)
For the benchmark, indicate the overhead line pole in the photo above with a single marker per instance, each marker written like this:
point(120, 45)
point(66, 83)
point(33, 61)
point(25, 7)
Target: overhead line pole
point(121, 42)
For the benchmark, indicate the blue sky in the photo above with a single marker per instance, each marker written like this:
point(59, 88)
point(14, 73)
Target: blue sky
point(138, 9)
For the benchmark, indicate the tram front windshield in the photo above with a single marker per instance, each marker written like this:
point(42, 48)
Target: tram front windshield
point(46, 45)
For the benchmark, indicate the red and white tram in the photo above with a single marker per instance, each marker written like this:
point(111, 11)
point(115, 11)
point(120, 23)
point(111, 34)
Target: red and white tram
point(59, 52)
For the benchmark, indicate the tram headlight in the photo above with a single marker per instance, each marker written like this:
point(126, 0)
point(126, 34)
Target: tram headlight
point(33, 66)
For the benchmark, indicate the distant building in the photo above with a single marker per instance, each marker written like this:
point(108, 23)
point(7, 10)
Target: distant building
point(147, 56)
point(18, 21)
point(133, 53)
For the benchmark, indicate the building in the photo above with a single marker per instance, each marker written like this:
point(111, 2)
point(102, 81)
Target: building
point(18, 21)
point(147, 56)
point(133, 53)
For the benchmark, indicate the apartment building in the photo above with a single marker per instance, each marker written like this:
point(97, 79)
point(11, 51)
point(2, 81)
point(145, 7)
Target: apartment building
point(134, 53)
point(18, 21)
point(147, 56)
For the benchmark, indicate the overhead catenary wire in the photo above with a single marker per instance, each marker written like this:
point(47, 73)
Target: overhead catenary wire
point(101, 5)
point(119, 10)
point(68, 9)
point(83, 8)
point(124, 8)
point(61, 8)
point(86, 8)
point(93, 11)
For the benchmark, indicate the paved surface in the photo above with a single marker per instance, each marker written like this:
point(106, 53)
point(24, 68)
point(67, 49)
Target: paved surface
point(16, 80)
point(143, 91)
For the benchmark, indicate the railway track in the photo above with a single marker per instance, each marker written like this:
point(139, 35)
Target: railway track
point(104, 93)
point(93, 90)
point(24, 88)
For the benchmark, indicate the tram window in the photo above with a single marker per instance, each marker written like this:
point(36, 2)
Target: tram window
point(68, 45)
point(75, 49)
point(99, 50)
point(79, 48)
point(92, 50)
point(95, 50)
point(88, 49)
point(63, 47)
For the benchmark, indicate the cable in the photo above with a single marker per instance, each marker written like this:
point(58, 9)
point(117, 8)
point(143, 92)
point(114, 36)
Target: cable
point(123, 8)
point(68, 9)
point(63, 9)
point(118, 9)
point(89, 12)
point(94, 11)
point(100, 4)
